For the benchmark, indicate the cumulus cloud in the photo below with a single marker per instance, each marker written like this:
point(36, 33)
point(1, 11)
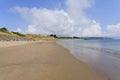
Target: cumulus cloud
point(93, 30)
point(76, 8)
point(113, 30)
point(83, 25)
point(72, 22)
point(18, 30)
point(46, 21)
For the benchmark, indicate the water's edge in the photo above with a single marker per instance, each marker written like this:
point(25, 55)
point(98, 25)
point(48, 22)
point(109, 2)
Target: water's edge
point(104, 61)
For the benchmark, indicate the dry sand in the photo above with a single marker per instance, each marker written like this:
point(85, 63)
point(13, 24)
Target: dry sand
point(42, 61)
point(15, 43)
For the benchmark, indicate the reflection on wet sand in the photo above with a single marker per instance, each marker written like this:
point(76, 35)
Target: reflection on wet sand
point(104, 61)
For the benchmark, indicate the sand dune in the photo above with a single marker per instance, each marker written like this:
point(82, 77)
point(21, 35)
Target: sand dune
point(42, 61)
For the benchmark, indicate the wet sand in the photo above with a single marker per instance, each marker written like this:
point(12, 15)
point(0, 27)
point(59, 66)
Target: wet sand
point(42, 61)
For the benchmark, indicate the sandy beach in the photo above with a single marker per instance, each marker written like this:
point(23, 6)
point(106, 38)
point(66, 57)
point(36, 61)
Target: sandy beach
point(15, 43)
point(42, 61)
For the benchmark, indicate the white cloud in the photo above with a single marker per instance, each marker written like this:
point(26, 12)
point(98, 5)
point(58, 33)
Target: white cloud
point(93, 30)
point(73, 22)
point(76, 9)
point(83, 25)
point(114, 28)
point(31, 29)
point(46, 21)
point(18, 30)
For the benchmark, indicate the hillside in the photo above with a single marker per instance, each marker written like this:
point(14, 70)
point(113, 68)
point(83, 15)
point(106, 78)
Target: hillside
point(6, 35)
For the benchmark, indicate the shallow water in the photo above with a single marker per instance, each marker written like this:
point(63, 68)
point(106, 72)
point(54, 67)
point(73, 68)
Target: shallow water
point(102, 55)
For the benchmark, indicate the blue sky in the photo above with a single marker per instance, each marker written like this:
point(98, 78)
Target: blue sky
point(11, 20)
point(103, 16)
point(105, 11)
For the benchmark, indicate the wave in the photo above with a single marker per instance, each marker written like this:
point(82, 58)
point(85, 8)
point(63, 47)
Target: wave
point(106, 51)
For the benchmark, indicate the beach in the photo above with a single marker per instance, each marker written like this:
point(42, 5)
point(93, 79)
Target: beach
point(15, 43)
point(101, 55)
point(44, 60)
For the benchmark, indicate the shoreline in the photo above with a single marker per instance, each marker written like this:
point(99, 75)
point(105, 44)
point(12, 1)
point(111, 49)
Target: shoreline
point(42, 60)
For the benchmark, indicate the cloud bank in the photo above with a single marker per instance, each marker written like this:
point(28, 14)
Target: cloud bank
point(44, 21)
point(113, 30)
point(83, 26)
point(72, 22)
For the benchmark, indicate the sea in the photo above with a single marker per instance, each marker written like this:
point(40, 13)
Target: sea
point(103, 56)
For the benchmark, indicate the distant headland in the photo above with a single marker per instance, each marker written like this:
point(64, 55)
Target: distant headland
point(84, 38)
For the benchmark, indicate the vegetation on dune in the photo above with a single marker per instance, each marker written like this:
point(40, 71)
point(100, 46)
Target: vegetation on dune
point(19, 34)
point(6, 35)
point(34, 35)
point(38, 36)
point(4, 29)
point(53, 35)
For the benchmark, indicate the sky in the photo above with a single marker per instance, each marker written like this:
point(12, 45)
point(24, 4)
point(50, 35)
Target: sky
point(84, 18)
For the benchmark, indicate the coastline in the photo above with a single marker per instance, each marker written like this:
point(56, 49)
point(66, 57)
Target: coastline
point(43, 60)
